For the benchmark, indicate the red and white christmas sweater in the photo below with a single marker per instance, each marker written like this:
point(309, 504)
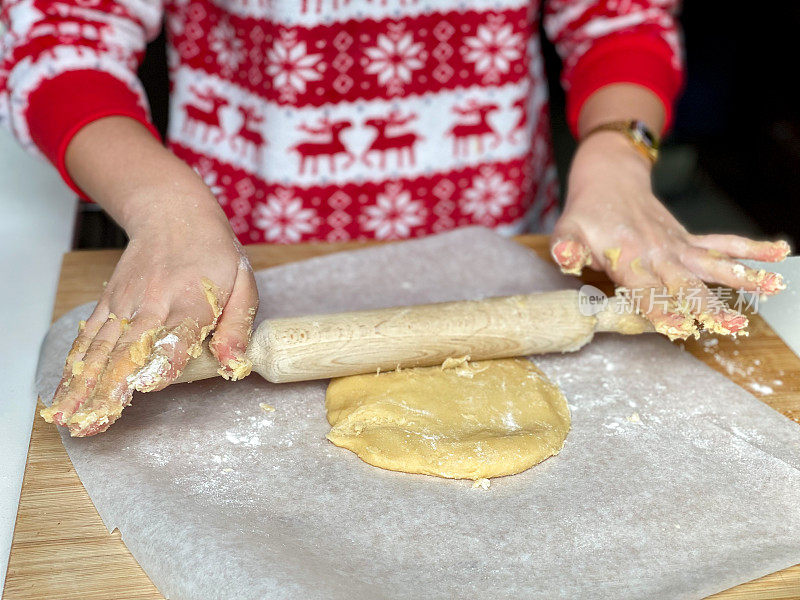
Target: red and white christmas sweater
point(338, 119)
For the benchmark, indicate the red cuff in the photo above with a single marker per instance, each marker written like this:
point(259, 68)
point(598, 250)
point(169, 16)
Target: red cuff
point(59, 107)
point(640, 58)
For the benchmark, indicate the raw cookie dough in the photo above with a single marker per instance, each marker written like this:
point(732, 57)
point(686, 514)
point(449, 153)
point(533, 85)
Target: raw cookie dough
point(501, 418)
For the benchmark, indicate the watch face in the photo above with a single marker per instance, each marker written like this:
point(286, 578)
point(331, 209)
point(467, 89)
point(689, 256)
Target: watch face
point(643, 135)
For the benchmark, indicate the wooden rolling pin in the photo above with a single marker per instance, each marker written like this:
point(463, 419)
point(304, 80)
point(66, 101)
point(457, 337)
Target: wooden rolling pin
point(323, 346)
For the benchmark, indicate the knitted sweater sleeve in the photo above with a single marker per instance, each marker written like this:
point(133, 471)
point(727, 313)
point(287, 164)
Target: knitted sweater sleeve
point(66, 63)
point(616, 41)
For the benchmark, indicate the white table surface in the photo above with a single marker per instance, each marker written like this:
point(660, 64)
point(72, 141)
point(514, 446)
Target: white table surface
point(37, 217)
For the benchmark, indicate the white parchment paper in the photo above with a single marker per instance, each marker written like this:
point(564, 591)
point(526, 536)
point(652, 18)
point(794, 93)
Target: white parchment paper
point(674, 482)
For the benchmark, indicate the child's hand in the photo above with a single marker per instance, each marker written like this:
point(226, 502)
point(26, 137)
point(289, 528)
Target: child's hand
point(613, 222)
point(182, 277)
point(179, 279)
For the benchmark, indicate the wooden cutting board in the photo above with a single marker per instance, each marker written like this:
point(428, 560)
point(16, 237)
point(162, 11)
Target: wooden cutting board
point(61, 549)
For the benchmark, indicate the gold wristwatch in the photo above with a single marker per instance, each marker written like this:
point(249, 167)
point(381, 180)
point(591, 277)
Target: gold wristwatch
point(644, 140)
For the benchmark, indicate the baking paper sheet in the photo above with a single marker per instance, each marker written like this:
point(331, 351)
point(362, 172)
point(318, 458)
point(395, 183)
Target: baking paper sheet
point(674, 482)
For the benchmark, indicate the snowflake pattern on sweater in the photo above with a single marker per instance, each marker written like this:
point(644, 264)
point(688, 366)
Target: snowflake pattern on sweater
point(338, 119)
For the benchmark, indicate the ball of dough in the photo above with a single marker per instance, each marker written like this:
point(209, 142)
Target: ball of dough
point(462, 420)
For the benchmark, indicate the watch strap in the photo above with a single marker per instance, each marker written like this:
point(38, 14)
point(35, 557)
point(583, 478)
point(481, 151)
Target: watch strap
point(640, 135)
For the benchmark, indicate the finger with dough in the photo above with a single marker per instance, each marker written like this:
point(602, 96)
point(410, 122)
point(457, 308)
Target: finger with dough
point(736, 246)
point(72, 396)
point(571, 255)
point(229, 340)
point(115, 386)
point(693, 298)
point(723, 270)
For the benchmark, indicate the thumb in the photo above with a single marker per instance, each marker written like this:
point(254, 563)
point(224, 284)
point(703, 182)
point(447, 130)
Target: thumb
point(229, 341)
point(569, 250)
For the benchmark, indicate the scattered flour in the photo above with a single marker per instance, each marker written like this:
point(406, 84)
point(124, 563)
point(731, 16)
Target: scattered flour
point(167, 340)
point(150, 374)
point(760, 388)
point(738, 367)
point(245, 440)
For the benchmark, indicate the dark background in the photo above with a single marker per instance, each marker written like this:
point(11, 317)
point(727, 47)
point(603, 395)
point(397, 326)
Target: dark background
point(732, 161)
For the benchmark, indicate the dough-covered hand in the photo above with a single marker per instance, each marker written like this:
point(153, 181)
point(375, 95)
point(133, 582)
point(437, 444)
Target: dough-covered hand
point(612, 222)
point(182, 278)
